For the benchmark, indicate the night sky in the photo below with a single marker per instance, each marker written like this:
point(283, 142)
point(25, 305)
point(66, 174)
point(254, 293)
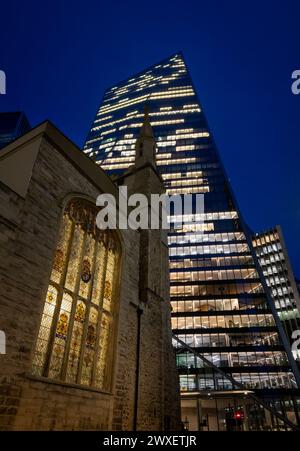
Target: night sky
point(60, 56)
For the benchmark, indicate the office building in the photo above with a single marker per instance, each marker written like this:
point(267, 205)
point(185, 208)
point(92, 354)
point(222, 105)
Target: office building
point(274, 260)
point(221, 304)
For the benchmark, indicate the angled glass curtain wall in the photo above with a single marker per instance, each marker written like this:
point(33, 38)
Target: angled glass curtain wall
point(218, 304)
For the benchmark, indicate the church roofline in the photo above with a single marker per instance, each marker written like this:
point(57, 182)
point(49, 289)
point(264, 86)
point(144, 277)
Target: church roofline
point(47, 130)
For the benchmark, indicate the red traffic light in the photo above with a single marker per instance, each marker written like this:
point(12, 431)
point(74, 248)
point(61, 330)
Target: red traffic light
point(238, 415)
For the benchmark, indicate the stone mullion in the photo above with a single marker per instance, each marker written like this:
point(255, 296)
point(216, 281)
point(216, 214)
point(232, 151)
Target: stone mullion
point(58, 303)
point(87, 316)
point(74, 295)
point(112, 325)
point(100, 313)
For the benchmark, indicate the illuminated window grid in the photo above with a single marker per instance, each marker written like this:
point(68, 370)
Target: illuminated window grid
point(269, 249)
point(152, 114)
point(187, 190)
point(223, 322)
point(207, 237)
point(234, 253)
point(144, 98)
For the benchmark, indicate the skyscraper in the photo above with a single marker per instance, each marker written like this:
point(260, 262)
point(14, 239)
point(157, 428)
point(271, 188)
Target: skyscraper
point(221, 305)
point(273, 257)
point(12, 125)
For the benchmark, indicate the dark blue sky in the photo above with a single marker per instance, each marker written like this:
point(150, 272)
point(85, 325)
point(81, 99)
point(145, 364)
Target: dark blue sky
point(60, 56)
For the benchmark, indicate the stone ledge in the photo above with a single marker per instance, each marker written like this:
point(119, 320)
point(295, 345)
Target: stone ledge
point(66, 384)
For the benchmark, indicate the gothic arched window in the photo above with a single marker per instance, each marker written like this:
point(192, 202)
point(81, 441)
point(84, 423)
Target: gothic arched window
point(75, 338)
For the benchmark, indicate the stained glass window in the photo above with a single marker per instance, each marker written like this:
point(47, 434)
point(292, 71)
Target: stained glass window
point(74, 343)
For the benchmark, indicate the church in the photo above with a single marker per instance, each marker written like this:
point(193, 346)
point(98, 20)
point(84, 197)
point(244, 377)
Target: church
point(85, 311)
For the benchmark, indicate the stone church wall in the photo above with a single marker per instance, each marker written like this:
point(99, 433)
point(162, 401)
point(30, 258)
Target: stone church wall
point(28, 234)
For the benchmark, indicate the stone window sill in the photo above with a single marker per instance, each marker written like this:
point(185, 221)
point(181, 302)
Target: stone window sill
point(67, 384)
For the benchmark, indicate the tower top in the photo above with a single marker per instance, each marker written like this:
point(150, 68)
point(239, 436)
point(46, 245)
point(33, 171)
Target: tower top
point(145, 147)
point(145, 157)
point(146, 130)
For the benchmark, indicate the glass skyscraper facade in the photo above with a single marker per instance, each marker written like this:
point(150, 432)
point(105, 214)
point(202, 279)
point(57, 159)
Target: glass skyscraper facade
point(220, 304)
point(12, 125)
point(274, 260)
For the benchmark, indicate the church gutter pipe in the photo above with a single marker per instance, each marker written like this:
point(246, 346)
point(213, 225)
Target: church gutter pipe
point(139, 312)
